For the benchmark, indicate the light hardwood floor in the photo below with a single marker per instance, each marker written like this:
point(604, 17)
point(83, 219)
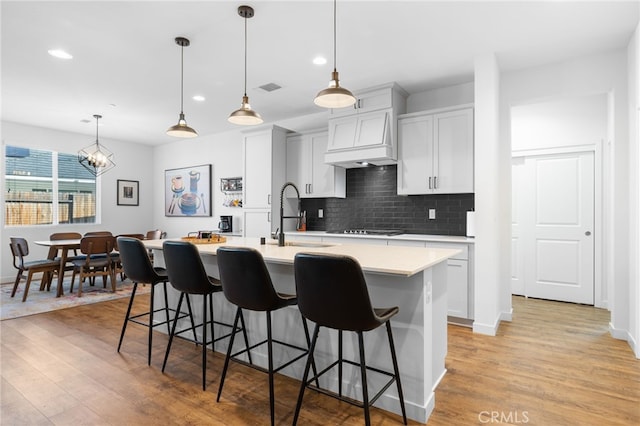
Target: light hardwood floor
point(555, 364)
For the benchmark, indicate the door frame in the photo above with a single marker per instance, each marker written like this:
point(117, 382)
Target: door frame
point(601, 296)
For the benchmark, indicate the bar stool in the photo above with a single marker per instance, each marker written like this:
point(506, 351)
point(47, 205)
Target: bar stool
point(187, 275)
point(138, 268)
point(247, 284)
point(332, 292)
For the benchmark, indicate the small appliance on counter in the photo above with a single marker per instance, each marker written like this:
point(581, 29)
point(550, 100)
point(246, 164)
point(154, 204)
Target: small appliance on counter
point(225, 224)
point(471, 224)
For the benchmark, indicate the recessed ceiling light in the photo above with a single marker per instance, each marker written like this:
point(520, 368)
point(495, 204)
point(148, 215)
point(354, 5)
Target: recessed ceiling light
point(199, 98)
point(319, 60)
point(59, 53)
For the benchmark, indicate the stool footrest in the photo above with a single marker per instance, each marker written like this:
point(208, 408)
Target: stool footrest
point(305, 351)
point(346, 398)
point(134, 318)
point(208, 323)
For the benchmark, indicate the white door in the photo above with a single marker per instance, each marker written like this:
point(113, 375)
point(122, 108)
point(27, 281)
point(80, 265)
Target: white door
point(556, 221)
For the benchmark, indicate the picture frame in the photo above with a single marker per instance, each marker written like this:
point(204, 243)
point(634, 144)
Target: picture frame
point(187, 191)
point(128, 192)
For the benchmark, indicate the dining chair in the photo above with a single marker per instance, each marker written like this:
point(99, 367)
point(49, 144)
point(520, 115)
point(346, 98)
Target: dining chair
point(98, 261)
point(155, 234)
point(58, 236)
point(20, 250)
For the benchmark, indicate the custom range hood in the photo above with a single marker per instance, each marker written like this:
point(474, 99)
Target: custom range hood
point(361, 141)
point(366, 134)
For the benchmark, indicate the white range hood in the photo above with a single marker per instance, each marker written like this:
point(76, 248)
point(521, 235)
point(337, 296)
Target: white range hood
point(358, 141)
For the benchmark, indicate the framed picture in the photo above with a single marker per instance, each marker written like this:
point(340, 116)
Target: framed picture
point(188, 191)
point(128, 192)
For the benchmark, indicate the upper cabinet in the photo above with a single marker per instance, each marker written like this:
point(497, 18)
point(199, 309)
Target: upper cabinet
point(435, 152)
point(366, 132)
point(307, 170)
point(264, 154)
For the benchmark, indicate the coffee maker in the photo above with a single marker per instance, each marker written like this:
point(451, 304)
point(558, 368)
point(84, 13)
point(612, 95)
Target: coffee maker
point(225, 224)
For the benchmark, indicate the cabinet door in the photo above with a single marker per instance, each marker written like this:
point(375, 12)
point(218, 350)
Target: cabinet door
point(453, 152)
point(257, 171)
point(415, 147)
point(298, 163)
point(366, 102)
point(257, 223)
point(457, 288)
point(323, 176)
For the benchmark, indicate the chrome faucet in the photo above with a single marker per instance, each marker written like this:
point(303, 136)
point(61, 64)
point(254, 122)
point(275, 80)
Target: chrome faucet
point(282, 216)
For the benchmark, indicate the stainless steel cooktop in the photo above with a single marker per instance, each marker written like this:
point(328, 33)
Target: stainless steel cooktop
point(361, 231)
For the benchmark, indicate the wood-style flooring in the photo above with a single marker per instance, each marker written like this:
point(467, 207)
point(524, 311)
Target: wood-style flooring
point(555, 364)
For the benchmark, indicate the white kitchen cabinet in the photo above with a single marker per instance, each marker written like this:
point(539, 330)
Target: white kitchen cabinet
point(372, 99)
point(435, 152)
point(307, 170)
point(264, 156)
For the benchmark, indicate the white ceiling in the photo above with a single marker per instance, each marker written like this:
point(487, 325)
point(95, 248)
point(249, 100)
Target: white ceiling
point(124, 54)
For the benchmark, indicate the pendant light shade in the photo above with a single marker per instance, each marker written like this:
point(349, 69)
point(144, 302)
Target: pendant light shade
point(334, 96)
point(96, 158)
point(182, 130)
point(245, 116)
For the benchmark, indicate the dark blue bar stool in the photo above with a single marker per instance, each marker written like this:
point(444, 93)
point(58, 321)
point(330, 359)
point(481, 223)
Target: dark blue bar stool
point(332, 292)
point(188, 276)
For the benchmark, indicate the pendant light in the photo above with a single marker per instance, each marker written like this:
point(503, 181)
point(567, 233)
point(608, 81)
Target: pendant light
point(95, 158)
point(334, 96)
point(245, 115)
point(181, 130)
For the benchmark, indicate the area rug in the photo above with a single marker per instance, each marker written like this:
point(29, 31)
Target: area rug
point(45, 301)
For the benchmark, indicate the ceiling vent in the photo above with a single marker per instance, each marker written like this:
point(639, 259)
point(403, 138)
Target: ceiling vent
point(270, 87)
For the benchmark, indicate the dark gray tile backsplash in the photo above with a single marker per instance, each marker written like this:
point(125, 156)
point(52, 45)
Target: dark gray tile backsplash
point(372, 202)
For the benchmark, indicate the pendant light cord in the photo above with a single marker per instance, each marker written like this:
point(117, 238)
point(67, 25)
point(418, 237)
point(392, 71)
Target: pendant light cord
point(245, 55)
point(334, 36)
point(182, 80)
point(97, 117)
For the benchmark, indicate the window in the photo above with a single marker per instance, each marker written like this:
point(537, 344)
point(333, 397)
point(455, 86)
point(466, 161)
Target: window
point(47, 188)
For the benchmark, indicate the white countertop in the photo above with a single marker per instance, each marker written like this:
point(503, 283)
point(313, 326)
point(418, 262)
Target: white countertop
point(406, 237)
point(394, 260)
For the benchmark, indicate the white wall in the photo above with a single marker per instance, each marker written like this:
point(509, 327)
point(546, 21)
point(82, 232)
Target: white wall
point(492, 203)
point(441, 97)
point(133, 162)
point(633, 52)
point(605, 73)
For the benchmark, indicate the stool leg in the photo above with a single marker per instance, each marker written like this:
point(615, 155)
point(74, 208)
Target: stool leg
point(246, 339)
point(303, 385)
point(306, 335)
point(363, 370)
point(193, 324)
point(340, 362)
point(126, 317)
point(166, 308)
point(213, 335)
point(153, 286)
point(270, 361)
point(173, 330)
point(226, 359)
point(204, 341)
point(396, 371)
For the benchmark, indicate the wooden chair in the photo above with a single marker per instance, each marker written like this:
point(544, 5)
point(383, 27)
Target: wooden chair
point(66, 236)
point(20, 250)
point(156, 234)
point(98, 261)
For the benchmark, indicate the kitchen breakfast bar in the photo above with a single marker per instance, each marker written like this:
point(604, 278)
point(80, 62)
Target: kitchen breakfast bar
point(412, 278)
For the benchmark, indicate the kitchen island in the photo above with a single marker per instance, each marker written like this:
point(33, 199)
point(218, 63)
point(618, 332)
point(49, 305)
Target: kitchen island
point(412, 278)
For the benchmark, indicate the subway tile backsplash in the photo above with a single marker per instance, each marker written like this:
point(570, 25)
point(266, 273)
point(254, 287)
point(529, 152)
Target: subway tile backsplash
point(372, 202)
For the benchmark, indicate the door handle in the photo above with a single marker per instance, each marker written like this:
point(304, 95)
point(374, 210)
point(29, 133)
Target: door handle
point(587, 233)
point(435, 182)
point(429, 182)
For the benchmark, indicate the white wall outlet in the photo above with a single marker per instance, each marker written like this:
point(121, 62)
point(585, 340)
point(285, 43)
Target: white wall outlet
point(320, 213)
point(432, 213)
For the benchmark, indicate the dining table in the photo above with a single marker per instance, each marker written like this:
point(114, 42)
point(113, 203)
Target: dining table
point(60, 248)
